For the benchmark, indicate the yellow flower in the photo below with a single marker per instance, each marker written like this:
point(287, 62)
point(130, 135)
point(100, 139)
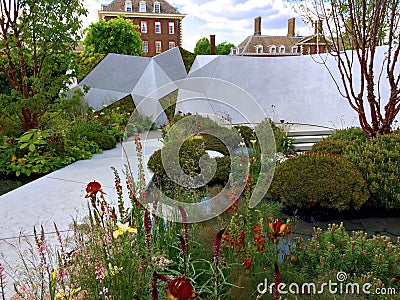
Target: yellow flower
point(61, 295)
point(21, 161)
point(253, 141)
point(122, 229)
point(14, 158)
point(54, 275)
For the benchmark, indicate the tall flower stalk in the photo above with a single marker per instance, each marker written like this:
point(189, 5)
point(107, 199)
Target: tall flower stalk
point(217, 256)
point(2, 282)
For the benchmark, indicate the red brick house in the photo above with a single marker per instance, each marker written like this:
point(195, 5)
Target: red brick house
point(159, 23)
point(289, 45)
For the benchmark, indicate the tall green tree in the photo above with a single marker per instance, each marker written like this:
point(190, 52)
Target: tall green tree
point(362, 26)
point(118, 35)
point(37, 38)
point(202, 47)
point(223, 48)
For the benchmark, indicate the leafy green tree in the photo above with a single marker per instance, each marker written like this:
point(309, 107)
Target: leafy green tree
point(223, 48)
point(118, 35)
point(363, 25)
point(202, 47)
point(36, 58)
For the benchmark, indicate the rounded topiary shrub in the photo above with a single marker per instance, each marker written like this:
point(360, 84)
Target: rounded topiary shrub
point(338, 142)
point(319, 181)
point(379, 161)
point(189, 156)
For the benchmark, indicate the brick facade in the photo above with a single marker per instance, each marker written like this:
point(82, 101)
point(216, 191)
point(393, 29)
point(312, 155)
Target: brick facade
point(169, 22)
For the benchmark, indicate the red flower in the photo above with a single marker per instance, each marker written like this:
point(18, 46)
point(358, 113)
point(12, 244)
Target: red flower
point(248, 263)
point(93, 188)
point(277, 230)
point(180, 289)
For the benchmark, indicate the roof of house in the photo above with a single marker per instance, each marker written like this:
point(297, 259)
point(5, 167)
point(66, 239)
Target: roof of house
point(249, 45)
point(252, 41)
point(119, 6)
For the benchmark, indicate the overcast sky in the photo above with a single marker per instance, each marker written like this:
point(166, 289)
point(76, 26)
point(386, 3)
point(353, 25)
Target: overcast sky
point(230, 20)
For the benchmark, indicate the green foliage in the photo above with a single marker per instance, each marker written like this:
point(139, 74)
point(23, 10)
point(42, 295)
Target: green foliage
point(338, 142)
point(188, 58)
point(318, 180)
point(41, 152)
point(335, 250)
point(86, 63)
point(42, 66)
point(213, 143)
point(377, 158)
point(105, 140)
point(379, 161)
point(202, 47)
point(247, 134)
point(189, 156)
point(118, 35)
point(223, 48)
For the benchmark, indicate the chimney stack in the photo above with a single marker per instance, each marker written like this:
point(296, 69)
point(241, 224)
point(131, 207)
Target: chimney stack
point(318, 27)
point(212, 44)
point(291, 26)
point(257, 26)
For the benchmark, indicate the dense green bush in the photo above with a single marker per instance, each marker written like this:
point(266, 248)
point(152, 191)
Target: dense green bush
point(86, 63)
point(334, 250)
point(377, 158)
point(105, 140)
point(189, 156)
point(331, 146)
point(338, 142)
point(319, 180)
point(379, 161)
point(40, 152)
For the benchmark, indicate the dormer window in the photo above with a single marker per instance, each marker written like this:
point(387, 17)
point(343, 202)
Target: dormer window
point(259, 49)
point(234, 51)
point(128, 6)
point(157, 8)
point(142, 6)
point(272, 49)
point(281, 49)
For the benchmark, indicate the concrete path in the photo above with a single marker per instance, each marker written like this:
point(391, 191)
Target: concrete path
point(59, 198)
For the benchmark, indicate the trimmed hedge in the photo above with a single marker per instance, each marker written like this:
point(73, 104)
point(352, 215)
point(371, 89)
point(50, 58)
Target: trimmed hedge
point(319, 180)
